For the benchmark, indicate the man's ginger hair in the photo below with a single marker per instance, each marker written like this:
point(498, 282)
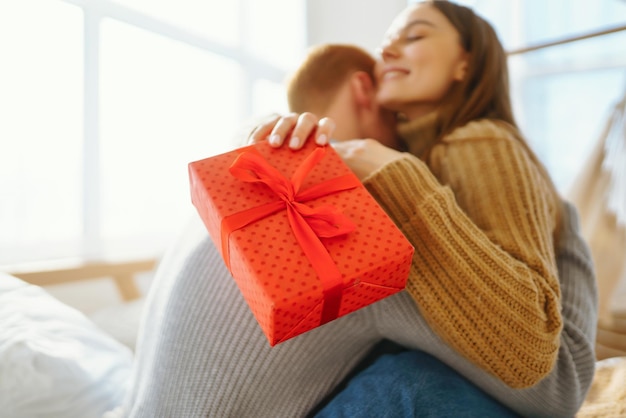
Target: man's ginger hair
point(314, 85)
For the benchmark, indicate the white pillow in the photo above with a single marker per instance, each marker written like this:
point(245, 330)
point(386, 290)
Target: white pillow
point(54, 362)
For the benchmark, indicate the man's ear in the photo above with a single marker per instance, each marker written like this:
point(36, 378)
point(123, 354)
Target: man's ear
point(363, 88)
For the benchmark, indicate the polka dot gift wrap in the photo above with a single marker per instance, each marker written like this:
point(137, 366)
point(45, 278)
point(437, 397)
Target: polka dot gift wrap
point(303, 239)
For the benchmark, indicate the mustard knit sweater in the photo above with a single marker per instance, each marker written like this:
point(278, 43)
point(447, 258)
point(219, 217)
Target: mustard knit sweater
point(482, 219)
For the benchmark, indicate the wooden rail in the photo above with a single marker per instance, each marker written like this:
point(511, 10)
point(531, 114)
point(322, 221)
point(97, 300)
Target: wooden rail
point(122, 273)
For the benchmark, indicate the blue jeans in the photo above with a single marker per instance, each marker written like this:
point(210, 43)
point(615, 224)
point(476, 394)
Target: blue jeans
point(411, 384)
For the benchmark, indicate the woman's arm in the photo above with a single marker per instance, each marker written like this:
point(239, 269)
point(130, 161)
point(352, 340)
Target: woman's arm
point(484, 273)
point(564, 389)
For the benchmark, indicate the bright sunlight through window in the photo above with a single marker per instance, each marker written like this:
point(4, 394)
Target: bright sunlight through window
point(104, 104)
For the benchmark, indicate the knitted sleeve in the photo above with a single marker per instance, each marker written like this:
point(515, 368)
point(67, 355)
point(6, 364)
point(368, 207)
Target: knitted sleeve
point(484, 273)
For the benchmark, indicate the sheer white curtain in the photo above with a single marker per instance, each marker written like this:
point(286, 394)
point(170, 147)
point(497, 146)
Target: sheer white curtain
point(103, 103)
point(600, 194)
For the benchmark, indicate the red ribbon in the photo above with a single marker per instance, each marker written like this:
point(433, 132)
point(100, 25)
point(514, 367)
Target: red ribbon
point(308, 224)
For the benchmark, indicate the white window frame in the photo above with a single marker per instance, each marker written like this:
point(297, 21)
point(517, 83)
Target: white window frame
point(253, 67)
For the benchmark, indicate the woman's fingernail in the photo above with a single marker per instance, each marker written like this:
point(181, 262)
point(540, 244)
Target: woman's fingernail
point(274, 139)
point(294, 142)
point(322, 139)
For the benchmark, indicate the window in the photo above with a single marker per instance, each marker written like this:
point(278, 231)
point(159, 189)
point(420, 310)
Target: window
point(41, 91)
point(108, 101)
point(218, 21)
point(563, 95)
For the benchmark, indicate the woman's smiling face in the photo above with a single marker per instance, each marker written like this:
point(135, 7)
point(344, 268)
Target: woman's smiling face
point(420, 60)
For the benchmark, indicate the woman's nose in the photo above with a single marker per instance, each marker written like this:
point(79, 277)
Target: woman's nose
point(387, 50)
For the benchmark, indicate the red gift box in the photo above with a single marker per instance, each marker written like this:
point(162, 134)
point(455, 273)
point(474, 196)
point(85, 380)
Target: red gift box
point(303, 239)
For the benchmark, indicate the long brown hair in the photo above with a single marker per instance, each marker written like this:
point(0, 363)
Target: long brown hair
point(484, 92)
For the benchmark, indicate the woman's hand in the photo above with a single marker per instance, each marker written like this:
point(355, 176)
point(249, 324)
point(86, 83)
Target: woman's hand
point(297, 127)
point(365, 156)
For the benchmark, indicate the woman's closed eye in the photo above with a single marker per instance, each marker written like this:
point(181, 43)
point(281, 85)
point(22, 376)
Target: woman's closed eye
point(413, 35)
point(413, 38)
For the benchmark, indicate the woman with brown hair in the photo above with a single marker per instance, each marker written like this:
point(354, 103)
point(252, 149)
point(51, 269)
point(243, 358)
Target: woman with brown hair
point(478, 205)
point(471, 196)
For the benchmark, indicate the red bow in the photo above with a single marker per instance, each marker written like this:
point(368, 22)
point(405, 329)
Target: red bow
point(308, 224)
